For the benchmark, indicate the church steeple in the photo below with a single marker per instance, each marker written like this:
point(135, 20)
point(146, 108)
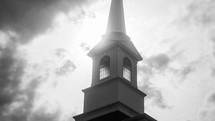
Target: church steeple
point(113, 95)
point(116, 46)
point(116, 21)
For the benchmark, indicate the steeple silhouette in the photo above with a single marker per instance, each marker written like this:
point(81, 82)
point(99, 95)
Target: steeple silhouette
point(116, 21)
point(113, 94)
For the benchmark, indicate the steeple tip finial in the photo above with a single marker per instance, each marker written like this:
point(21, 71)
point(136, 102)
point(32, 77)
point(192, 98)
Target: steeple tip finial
point(116, 20)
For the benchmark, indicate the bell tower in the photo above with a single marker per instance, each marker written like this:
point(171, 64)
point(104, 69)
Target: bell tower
point(113, 95)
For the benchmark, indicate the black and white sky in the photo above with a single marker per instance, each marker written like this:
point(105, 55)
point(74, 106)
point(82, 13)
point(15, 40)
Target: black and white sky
point(44, 66)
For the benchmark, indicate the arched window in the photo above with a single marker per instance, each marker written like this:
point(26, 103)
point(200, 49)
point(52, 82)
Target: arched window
point(127, 69)
point(104, 67)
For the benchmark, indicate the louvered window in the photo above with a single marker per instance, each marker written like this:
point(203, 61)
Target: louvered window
point(104, 68)
point(127, 69)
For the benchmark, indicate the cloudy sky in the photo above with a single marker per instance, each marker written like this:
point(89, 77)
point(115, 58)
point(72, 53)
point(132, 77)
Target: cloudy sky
point(44, 66)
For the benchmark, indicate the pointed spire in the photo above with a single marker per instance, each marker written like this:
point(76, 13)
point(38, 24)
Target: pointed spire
point(116, 21)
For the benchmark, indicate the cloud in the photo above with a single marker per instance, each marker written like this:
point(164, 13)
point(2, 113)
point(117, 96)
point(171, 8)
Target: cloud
point(160, 65)
point(61, 53)
point(155, 65)
point(148, 69)
point(153, 94)
point(208, 111)
point(23, 103)
point(213, 72)
point(187, 70)
point(199, 16)
point(68, 66)
point(213, 42)
point(28, 18)
point(157, 98)
point(200, 12)
point(20, 108)
point(20, 22)
point(11, 70)
point(85, 47)
point(195, 33)
point(184, 72)
point(42, 114)
point(160, 61)
point(211, 99)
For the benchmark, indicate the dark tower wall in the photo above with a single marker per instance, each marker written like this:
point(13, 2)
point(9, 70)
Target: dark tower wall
point(116, 90)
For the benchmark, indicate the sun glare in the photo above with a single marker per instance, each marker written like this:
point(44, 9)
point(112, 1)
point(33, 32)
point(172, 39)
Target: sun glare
point(91, 31)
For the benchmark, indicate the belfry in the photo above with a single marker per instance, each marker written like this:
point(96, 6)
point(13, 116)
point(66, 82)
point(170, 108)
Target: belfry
point(113, 95)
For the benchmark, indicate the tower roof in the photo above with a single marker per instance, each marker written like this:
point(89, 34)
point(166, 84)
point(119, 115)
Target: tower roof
point(116, 21)
point(116, 33)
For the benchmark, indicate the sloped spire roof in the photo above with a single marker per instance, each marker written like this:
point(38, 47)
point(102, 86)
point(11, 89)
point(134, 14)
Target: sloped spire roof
point(116, 33)
point(116, 21)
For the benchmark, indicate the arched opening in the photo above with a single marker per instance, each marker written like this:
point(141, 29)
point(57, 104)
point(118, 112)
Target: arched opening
point(127, 69)
point(104, 67)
